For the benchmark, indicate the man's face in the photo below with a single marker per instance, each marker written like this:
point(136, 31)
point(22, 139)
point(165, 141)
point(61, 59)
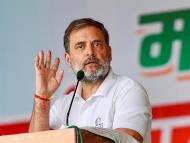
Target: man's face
point(89, 52)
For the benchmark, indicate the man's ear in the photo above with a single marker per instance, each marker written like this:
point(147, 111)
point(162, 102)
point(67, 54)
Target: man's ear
point(110, 53)
point(67, 59)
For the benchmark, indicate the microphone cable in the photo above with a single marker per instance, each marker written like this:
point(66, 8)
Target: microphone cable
point(80, 76)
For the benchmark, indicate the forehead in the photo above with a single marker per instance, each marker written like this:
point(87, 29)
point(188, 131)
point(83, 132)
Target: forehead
point(88, 33)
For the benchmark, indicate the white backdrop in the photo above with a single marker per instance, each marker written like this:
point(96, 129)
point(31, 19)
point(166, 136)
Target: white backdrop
point(27, 26)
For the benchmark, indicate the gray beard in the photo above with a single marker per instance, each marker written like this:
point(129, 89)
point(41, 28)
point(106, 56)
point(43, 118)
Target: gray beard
point(99, 75)
point(92, 77)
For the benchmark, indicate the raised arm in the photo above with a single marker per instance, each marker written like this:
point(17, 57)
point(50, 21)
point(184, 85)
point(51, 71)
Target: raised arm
point(47, 83)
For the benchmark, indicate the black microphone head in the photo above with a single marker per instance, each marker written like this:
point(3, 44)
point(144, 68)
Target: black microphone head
point(80, 75)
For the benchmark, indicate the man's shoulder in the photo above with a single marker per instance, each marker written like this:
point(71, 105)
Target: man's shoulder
point(124, 84)
point(126, 81)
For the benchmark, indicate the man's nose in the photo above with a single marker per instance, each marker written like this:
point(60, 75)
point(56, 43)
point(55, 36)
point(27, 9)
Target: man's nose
point(89, 50)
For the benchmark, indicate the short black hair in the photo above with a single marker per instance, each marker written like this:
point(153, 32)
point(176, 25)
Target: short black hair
point(81, 23)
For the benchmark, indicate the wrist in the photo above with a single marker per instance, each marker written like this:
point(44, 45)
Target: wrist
point(42, 94)
point(41, 104)
point(42, 98)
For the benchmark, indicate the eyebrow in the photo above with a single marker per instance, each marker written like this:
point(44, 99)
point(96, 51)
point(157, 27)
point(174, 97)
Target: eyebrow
point(79, 43)
point(98, 41)
point(83, 42)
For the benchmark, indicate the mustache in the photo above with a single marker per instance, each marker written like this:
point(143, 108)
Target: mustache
point(91, 59)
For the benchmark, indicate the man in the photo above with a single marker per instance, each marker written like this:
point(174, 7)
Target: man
point(103, 98)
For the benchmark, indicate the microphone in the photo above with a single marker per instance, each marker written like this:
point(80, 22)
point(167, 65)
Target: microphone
point(80, 76)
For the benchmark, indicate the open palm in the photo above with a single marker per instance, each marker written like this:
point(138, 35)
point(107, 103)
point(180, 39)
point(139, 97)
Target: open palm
point(47, 81)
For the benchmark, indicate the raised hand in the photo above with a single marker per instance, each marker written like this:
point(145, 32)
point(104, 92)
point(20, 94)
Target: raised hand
point(47, 81)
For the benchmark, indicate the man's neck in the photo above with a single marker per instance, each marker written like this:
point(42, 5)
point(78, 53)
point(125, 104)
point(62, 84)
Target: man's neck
point(88, 89)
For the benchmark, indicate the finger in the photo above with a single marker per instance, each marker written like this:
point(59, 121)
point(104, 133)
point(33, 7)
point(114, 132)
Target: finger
point(54, 68)
point(60, 77)
point(48, 60)
point(37, 62)
point(56, 64)
point(41, 60)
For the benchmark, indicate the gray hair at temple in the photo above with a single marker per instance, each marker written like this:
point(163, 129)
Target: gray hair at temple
point(81, 23)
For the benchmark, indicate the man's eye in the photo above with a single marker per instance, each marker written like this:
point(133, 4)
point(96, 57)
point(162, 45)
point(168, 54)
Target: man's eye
point(97, 44)
point(79, 46)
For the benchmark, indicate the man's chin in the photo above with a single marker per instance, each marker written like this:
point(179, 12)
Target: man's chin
point(91, 67)
point(91, 70)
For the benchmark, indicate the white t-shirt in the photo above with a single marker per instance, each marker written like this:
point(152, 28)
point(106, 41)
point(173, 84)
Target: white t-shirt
point(119, 102)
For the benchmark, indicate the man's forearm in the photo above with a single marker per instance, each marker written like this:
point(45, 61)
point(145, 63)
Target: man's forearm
point(40, 116)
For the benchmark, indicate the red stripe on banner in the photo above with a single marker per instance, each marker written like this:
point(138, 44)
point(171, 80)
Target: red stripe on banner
point(69, 90)
point(14, 128)
point(181, 135)
point(169, 111)
point(156, 135)
point(159, 112)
